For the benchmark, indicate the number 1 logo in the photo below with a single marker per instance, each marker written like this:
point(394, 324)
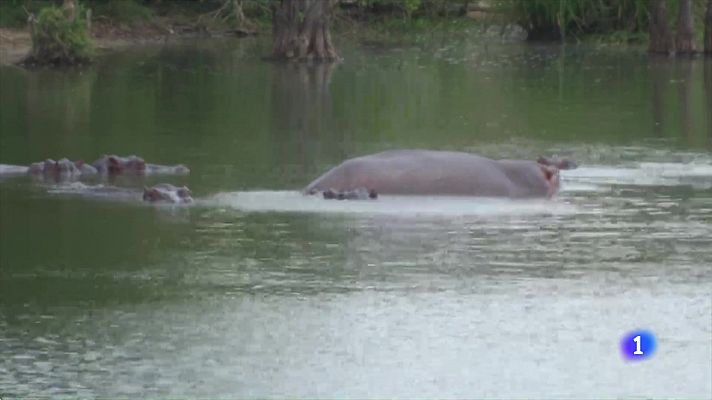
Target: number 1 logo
point(638, 345)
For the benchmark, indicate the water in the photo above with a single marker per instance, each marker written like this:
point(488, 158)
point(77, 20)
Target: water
point(257, 291)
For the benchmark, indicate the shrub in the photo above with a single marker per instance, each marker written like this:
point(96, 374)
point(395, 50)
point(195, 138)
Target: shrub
point(58, 41)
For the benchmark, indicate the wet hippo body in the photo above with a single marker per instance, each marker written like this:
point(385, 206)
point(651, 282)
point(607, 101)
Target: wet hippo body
point(427, 172)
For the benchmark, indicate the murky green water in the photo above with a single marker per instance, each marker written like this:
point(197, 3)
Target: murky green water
point(257, 291)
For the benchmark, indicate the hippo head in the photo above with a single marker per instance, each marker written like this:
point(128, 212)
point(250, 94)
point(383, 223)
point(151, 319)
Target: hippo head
point(166, 193)
point(563, 163)
point(551, 174)
point(115, 165)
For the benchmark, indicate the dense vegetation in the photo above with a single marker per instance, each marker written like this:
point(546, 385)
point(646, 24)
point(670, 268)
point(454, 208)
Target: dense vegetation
point(660, 21)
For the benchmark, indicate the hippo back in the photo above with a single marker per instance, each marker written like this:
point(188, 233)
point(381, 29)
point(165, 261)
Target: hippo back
point(421, 172)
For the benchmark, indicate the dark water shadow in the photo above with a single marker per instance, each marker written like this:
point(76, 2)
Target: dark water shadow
point(658, 82)
point(302, 113)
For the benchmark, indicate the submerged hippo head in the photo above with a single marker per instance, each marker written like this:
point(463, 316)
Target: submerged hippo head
point(62, 169)
point(116, 165)
point(167, 193)
point(563, 163)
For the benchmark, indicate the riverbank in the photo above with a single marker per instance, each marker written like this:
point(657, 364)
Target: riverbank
point(16, 43)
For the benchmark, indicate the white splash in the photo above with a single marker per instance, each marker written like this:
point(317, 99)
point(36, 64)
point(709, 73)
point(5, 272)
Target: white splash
point(695, 175)
point(292, 201)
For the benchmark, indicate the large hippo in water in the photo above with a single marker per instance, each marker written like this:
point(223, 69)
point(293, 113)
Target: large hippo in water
point(428, 172)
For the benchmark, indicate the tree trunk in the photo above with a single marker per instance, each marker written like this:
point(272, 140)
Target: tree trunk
point(685, 38)
point(301, 30)
point(660, 36)
point(708, 28)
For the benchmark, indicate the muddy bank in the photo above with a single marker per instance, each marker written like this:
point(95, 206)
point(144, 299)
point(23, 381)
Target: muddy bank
point(15, 44)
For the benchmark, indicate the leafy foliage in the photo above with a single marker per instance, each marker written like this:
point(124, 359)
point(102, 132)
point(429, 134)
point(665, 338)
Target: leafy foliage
point(58, 41)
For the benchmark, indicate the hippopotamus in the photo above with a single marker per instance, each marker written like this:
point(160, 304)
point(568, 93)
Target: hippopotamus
point(116, 165)
point(167, 193)
point(107, 165)
point(430, 172)
point(63, 168)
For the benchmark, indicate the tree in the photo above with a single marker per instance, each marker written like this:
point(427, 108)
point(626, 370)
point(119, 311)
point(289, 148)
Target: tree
point(708, 28)
point(685, 37)
point(301, 30)
point(660, 36)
